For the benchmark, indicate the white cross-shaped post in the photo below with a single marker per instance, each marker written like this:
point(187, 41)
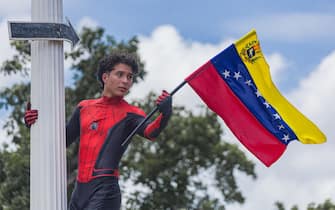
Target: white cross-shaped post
point(48, 157)
point(47, 145)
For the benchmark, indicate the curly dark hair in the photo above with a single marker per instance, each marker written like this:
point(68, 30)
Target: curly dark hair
point(107, 63)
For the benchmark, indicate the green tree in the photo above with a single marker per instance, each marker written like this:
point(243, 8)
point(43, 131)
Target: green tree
point(280, 206)
point(14, 165)
point(326, 205)
point(174, 172)
point(179, 167)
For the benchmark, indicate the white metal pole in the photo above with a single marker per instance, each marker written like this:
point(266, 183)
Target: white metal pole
point(48, 157)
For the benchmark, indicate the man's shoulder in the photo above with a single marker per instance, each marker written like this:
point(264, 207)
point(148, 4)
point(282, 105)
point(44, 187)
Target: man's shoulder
point(87, 102)
point(134, 109)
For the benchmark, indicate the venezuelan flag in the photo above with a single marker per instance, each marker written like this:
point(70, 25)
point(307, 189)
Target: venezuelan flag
point(237, 85)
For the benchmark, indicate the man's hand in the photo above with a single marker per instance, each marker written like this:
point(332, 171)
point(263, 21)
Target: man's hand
point(164, 103)
point(30, 116)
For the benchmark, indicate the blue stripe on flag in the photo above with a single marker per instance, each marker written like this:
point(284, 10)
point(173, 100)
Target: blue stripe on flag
point(233, 71)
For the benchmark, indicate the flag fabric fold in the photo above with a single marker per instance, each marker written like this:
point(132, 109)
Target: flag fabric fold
point(236, 84)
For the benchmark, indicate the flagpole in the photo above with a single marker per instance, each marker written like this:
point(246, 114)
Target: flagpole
point(150, 115)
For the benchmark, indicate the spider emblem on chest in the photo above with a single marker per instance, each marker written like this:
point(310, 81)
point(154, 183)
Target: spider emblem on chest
point(94, 126)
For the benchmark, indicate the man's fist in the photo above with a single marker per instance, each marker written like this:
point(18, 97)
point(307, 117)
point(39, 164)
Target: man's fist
point(30, 116)
point(164, 103)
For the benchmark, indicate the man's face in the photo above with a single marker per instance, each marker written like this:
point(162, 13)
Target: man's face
point(118, 81)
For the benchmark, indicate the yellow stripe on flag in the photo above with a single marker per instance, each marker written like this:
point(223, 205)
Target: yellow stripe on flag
point(251, 54)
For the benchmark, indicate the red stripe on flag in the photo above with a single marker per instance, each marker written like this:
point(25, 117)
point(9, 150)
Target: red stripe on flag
point(214, 91)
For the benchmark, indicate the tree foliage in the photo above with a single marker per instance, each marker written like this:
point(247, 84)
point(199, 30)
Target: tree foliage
point(326, 205)
point(186, 159)
point(14, 158)
point(177, 171)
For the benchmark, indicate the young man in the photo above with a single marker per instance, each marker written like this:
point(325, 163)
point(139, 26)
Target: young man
point(102, 125)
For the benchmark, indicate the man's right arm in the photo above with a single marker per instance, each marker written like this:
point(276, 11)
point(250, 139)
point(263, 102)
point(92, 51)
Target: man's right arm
point(73, 127)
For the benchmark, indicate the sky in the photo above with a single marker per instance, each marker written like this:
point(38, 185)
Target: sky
point(176, 37)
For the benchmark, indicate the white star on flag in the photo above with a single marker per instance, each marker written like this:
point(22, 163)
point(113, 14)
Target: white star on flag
point(237, 75)
point(276, 116)
point(226, 74)
point(267, 105)
point(258, 94)
point(248, 82)
point(286, 137)
point(281, 127)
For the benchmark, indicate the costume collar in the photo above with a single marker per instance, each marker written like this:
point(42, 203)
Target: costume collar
point(110, 100)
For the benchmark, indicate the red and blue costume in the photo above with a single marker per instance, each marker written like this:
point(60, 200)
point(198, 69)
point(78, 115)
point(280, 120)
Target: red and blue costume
point(102, 125)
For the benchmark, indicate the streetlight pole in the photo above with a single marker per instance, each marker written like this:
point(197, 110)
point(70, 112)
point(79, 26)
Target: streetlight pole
point(48, 150)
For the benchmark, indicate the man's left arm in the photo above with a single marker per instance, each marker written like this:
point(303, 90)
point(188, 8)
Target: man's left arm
point(152, 129)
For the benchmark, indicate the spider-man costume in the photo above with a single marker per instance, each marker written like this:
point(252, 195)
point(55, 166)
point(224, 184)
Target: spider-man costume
point(102, 125)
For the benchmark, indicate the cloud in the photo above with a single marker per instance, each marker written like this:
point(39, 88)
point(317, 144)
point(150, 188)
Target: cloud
point(297, 27)
point(169, 59)
point(278, 64)
point(7, 52)
point(86, 22)
point(302, 175)
point(14, 8)
point(315, 94)
point(83, 22)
